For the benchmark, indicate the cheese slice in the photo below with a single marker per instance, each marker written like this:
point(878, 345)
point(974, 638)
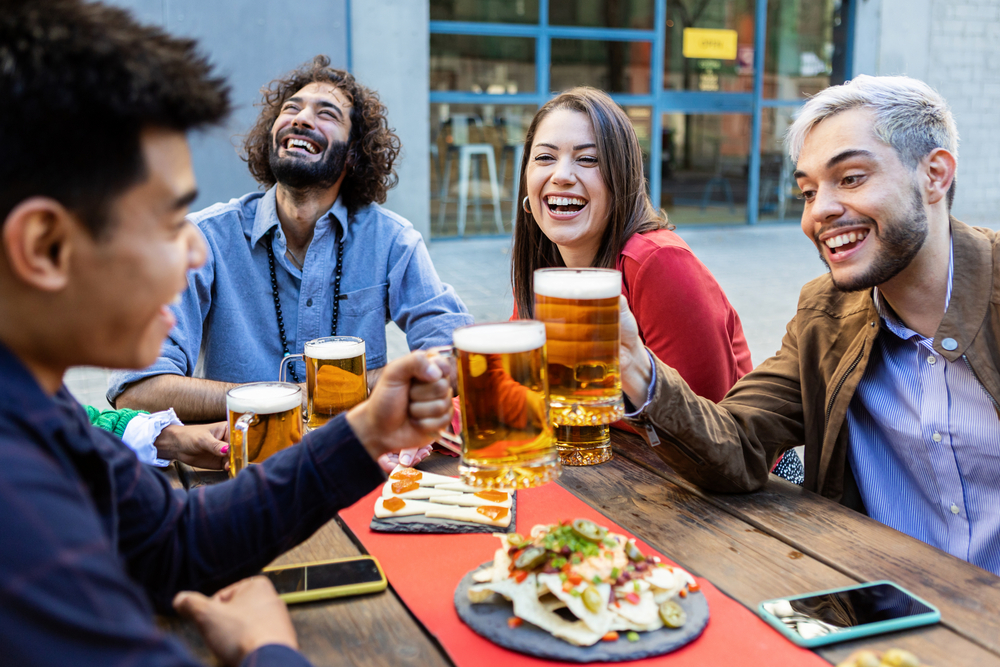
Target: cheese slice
point(470, 500)
point(470, 514)
point(426, 478)
point(410, 508)
point(421, 493)
point(465, 488)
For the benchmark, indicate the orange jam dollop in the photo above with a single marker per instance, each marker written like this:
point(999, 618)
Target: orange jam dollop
point(404, 486)
point(407, 474)
point(495, 513)
point(394, 504)
point(492, 496)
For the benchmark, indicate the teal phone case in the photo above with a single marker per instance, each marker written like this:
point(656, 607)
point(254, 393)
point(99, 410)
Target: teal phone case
point(866, 630)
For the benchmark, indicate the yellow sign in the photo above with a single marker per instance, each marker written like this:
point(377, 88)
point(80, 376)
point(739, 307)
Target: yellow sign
point(707, 43)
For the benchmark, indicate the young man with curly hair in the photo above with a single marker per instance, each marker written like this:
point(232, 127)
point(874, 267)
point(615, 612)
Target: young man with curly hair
point(94, 245)
point(313, 255)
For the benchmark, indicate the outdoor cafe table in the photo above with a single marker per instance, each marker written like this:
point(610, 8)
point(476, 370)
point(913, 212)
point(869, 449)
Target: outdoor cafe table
point(776, 542)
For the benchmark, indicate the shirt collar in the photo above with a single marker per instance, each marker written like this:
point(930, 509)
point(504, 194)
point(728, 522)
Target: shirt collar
point(266, 217)
point(889, 317)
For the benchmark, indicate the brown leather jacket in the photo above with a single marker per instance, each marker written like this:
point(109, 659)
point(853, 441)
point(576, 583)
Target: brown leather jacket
point(801, 395)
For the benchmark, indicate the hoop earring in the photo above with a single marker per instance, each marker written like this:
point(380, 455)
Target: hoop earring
point(526, 206)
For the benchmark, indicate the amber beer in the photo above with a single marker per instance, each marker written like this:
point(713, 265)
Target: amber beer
point(580, 310)
point(264, 418)
point(506, 435)
point(336, 377)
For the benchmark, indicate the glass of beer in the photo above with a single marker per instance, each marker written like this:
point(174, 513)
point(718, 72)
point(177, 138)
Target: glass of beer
point(580, 310)
point(336, 377)
point(264, 418)
point(503, 396)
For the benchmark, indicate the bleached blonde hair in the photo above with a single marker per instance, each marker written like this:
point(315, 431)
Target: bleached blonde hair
point(910, 116)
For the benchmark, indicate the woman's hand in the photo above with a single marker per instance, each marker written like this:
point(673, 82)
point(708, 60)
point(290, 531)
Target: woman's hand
point(199, 445)
point(636, 370)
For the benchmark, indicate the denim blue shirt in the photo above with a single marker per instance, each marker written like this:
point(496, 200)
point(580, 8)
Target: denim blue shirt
point(92, 540)
point(227, 313)
point(925, 444)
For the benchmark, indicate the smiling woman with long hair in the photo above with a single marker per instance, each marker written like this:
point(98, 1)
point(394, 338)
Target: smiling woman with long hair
point(584, 204)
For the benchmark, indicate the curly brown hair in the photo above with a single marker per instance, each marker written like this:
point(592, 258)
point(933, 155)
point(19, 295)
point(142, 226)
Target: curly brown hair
point(373, 144)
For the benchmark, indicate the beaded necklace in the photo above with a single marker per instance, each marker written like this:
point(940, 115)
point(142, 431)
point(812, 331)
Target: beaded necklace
point(277, 302)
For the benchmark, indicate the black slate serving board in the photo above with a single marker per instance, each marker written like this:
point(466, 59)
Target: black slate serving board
point(421, 524)
point(489, 620)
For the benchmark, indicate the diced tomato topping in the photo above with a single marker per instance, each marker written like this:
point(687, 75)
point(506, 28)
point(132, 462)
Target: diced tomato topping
point(633, 598)
point(574, 579)
point(567, 587)
point(520, 575)
point(610, 637)
point(694, 588)
point(683, 593)
point(566, 568)
point(514, 622)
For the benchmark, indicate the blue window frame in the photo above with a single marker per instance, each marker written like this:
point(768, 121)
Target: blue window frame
point(659, 100)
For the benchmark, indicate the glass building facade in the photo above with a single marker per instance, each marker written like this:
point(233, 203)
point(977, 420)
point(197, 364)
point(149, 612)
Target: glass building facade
point(710, 86)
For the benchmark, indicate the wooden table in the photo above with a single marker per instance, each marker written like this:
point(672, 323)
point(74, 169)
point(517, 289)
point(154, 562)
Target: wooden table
point(779, 541)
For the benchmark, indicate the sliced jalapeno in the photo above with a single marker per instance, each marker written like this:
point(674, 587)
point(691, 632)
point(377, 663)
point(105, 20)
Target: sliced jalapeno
point(530, 558)
point(589, 530)
point(592, 599)
point(633, 552)
point(672, 615)
point(515, 540)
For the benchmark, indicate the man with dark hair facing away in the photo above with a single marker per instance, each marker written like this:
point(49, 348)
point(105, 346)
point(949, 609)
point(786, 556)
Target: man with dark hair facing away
point(94, 244)
point(314, 255)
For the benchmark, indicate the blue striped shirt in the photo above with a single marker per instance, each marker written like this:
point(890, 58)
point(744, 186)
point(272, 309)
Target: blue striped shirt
point(925, 444)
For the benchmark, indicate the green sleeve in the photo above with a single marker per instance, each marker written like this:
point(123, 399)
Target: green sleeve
point(114, 421)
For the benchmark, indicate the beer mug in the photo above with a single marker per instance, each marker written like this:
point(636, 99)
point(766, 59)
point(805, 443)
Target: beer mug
point(580, 310)
point(264, 418)
point(503, 397)
point(336, 377)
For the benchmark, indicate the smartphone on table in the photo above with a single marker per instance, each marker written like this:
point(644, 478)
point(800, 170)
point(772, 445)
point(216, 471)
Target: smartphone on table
point(837, 615)
point(339, 577)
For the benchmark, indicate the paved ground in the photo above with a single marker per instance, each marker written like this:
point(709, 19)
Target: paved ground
point(760, 268)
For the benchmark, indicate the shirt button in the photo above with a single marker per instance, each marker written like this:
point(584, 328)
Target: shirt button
point(936, 437)
point(931, 359)
point(949, 344)
point(309, 303)
point(954, 509)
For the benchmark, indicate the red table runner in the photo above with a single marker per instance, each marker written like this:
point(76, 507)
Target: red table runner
point(425, 570)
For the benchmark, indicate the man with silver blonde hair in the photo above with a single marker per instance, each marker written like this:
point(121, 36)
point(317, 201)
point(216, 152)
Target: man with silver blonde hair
point(888, 373)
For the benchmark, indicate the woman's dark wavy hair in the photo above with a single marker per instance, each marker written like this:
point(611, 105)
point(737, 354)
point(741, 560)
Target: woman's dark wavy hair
point(620, 159)
point(373, 145)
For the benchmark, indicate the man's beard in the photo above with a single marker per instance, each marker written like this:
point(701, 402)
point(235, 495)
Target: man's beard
point(901, 239)
point(300, 174)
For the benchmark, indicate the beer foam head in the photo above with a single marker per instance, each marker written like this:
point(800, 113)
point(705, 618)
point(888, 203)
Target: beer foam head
point(333, 348)
point(578, 283)
point(501, 338)
point(264, 398)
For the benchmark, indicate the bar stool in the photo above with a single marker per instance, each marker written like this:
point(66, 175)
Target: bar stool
point(468, 170)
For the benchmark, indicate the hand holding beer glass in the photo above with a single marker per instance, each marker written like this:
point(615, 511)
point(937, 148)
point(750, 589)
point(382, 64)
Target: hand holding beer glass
point(503, 395)
point(336, 377)
point(580, 310)
point(264, 418)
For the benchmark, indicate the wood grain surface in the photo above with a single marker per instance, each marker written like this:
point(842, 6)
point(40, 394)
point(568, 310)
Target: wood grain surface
point(776, 542)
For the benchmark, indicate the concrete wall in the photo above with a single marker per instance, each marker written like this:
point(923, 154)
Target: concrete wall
point(250, 42)
point(390, 51)
point(953, 45)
